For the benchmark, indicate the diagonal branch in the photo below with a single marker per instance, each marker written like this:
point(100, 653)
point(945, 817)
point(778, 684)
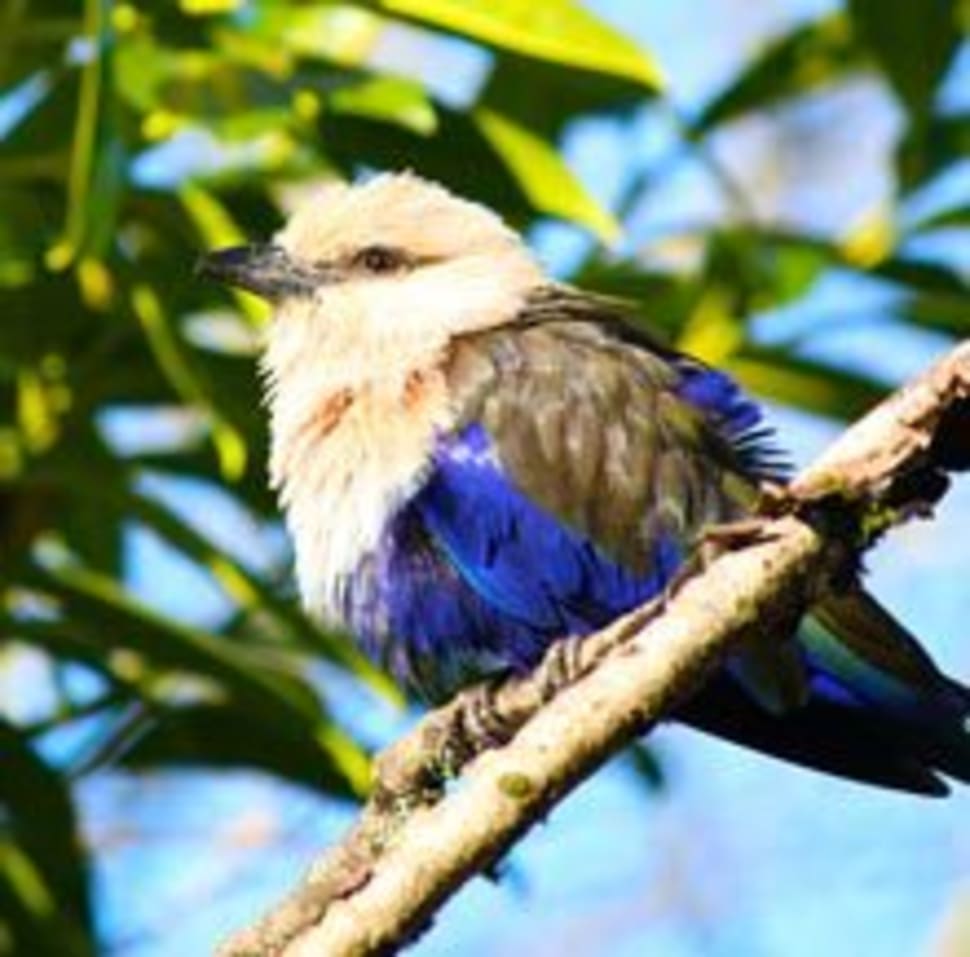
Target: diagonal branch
point(523, 744)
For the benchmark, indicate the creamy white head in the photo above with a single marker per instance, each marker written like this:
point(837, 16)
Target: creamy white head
point(371, 282)
point(405, 266)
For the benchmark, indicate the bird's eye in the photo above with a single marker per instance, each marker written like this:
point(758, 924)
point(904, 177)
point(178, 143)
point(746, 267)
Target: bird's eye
point(379, 259)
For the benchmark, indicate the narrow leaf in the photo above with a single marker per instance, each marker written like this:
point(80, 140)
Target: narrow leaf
point(805, 384)
point(811, 56)
point(175, 362)
point(236, 737)
point(560, 31)
point(392, 99)
point(913, 48)
point(39, 816)
point(544, 176)
point(97, 605)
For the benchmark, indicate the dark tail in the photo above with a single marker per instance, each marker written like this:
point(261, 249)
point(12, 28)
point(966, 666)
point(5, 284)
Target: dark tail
point(879, 710)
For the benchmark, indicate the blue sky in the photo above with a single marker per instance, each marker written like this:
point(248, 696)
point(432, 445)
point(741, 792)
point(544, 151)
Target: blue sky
point(739, 855)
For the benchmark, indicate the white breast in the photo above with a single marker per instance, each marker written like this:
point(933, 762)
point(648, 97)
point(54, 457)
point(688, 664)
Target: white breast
point(344, 465)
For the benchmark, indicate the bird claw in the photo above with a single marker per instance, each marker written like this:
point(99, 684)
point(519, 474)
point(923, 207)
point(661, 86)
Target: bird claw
point(562, 665)
point(482, 725)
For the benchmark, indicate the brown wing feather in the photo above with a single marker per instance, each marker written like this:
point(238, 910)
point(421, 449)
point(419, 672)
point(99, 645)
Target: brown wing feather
point(589, 424)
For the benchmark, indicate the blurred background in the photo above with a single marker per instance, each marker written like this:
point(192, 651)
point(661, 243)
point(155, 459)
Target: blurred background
point(784, 189)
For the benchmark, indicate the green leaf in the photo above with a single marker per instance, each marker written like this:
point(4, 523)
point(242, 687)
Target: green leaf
point(353, 142)
point(811, 56)
point(918, 274)
point(30, 921)
point(97, 606)
point(218, 228)
point(68, 641)
point(928, 148)
point(544, 176)
point(33, 36)
point(142, 67)
point(658, 300)
point(941, 313)
point(96, 178)
point(392, 99)
point(758, 270)
point(209, 8)
point(559, 31)
point(545, 98)
point(805, 384)
point(43, 864)
point(92, 530)
point(335, 33)
point(175, 360)
point(96, 535)
point(913, 46)
point(954, 217)
point(323, 760)
point(251, 593)
point(744, 272)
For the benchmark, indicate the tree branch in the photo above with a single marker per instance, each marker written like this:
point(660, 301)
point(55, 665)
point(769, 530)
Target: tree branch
point(523, 744)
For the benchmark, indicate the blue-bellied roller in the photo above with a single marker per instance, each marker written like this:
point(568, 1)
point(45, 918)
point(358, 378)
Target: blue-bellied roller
point(476, 460)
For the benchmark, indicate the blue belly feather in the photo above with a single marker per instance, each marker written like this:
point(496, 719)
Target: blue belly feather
point(472, 576)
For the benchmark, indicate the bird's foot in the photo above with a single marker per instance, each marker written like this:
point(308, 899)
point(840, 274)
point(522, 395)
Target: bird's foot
point(483, 725)
point(417, 769)
point(562, 665)
point(474, 724)
point(417, 772)
point(479, 723)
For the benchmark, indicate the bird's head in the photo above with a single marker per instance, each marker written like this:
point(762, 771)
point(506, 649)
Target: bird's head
point(392, 267)
point(370, 284)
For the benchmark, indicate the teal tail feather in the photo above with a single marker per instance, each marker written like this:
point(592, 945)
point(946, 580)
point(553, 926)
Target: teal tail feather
point(878, 709)
point(857, 643)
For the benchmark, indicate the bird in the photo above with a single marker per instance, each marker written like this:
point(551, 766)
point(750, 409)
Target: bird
point(476, 460)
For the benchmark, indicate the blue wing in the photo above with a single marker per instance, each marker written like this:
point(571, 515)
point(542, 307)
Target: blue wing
point(517, 556)
point(474, 577)
point(583, 470)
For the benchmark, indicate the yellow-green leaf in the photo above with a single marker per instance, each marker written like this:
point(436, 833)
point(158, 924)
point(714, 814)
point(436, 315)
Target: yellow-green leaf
point(914, 51)
point(805, 384)
point(544, 177)
point(388, 98)
point(811, 56)
point(173, 359)
point(560, 31)
point(331, 32)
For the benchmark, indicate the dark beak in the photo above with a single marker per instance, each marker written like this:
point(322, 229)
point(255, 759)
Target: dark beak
point(263, 269)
